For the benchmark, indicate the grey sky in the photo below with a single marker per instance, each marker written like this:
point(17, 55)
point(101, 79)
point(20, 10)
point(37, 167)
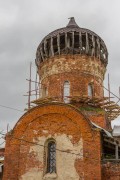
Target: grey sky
point(23, 24)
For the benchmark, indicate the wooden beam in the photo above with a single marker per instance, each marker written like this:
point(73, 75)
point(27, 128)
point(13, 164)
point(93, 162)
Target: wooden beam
point(52, 50)
point(116, 152)
point(80, 42)
point(66, 42)
point(41, 52)
point(45, 48)
point(98, 48)
point(93, 42)
point(73, 40)
point(58, 43)
point(110, 159)
point(87, 43)
point(109, 146)
point(111, 142)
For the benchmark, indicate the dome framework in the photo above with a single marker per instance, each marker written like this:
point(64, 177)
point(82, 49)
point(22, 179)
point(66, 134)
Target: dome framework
point(72, 40)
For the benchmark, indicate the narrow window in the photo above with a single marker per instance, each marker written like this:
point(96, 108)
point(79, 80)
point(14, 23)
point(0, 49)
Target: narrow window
point(90, 90)
point(51, 157)
point(66, 92)
point(44, 92)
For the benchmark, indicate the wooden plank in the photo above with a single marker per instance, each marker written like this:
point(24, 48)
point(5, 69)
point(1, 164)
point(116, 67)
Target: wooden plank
point(45, 48)
point(80, 42)
point(110, 160)
point(110, 141)
point(66, 42)
point(107, 102)
point(109, 106)
point(52, 50)
point(93, 43)
point(98, 48)
point(73, 40)
point(116, 152)
point(58, 43)
point(41, 52)
point(87, 43)
point(102, 100)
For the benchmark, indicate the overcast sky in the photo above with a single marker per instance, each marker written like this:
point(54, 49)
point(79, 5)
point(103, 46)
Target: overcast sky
point(23, 24)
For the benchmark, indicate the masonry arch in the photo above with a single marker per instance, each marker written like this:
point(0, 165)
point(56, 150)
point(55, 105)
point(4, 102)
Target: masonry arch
point(61, 122)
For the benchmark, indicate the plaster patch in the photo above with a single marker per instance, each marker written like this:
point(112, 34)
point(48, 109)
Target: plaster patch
point(45, 131)
point(32, 174)
point(66, 154)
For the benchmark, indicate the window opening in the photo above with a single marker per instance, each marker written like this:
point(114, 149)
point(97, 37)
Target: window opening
point(45, 92)
point(90, 90)
point(51, 157)
point(66, 91)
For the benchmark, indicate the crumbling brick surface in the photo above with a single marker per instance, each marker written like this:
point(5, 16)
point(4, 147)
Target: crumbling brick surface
point(78, 144)
point(78, 70)
point(98, 119)
point(73, 133)
point(111, 171)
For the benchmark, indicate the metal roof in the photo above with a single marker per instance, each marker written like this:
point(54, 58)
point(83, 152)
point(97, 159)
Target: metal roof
point(116, 130)
point(106, 132)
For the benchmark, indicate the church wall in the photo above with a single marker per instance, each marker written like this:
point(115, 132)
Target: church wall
point(78, 70)
point(72, 133)
point(97, 117)
point(64, 160)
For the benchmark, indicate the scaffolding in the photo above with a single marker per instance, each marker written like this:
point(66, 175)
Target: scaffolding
point(111, 108)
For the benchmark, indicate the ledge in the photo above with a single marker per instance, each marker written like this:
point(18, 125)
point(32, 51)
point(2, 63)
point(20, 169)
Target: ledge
point(49, 176)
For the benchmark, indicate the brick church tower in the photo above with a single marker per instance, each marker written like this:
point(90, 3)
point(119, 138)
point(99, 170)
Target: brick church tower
point(71, 64)
point(65, 136)
point(75, 57)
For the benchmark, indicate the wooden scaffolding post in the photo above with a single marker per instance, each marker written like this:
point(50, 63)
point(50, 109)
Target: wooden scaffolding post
point(29, 95)
point(119, 92)
point(36, 88)
point(109, 87)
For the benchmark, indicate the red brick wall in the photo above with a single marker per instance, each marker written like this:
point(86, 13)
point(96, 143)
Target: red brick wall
point(111, 170)
point(94, 114)
point(55, 118)
point(98, 119)
point(77, 69)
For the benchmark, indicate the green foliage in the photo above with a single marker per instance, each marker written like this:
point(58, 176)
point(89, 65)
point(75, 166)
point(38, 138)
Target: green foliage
point(92, 109)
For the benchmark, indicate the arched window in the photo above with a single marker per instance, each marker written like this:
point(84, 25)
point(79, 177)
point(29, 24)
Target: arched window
point(51, 157)
point(66, 91)
point(90, 90)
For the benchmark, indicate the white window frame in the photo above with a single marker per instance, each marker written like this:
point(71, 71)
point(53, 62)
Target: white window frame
point(66, 91)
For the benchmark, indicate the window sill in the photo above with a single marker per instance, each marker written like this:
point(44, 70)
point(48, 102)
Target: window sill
point(49, 176)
